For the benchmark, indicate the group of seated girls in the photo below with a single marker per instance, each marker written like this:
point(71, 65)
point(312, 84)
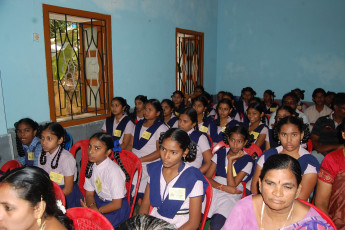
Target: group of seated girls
point(173, 143)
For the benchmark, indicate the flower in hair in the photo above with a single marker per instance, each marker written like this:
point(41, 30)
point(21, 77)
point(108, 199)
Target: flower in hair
point(60, 206)
point(117, 147)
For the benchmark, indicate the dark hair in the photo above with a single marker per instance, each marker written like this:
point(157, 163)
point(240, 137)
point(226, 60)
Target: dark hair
point(200, 87)
point(123, 102)
point(300, 91)
point(106, 139)
point(291, 94)
point(249, 89)
point(228, 94)
point(271, 93)
point(240, 129)
point(145, 222)
point(329, 93)
point(288, 109)
point(57, 130)
point(221, 92)
point(259, 107)
point(193, 116)
point(295, 121)
point(28, 121)
point(341, 128)
point(255, 100)
point(179, 92)
point(223, 101)
point(204, 101)
point(138, 98)
point(33, 184)
point(169, 102)
point(339, 99)
point(184, 141)
point(282, 161)
point(157, 106)
point(318, 90)
point(207, 96)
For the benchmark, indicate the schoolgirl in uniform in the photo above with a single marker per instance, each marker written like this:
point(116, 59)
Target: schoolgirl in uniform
point(175, 189)
point(301, 106)
point(105, 181)
point(242, 105)
point(231, 166)
point(188, 122)
point(59, 163)
point(234, 113)
point(178, 99)
point(256, 125)
point(217, 127)
point(119, 124)
point(270, 105)
point(200, 105)
point(138, 113)
point(146, 138)
point(292, 133)
point(28, 144)
point(169, 117)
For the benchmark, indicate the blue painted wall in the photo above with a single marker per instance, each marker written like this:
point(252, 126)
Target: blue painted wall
point(143, 41)
point(281, 45)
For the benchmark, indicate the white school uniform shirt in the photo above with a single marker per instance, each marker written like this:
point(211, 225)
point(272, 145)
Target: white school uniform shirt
point(223, 202)
point(263, 131)
point(147, 149)
point(202, 146)
point(178, 220)
point(300, 114)
point(112, 178)
point(67, 166)
point(310, 168)
point(128, 129)
point(175, 125)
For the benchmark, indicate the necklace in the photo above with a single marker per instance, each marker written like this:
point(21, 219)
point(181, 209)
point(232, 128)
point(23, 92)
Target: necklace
point(262, 214)
point(43, 226)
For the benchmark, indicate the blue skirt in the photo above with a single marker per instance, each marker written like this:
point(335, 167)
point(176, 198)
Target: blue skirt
point(73, 199)
point(118, 216)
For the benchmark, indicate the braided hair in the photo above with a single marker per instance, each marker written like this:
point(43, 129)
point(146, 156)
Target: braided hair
point(107, 140)
point(184, 141)
point(57, 130)
point(33, 124)
point(223, 101)
point(240, 129)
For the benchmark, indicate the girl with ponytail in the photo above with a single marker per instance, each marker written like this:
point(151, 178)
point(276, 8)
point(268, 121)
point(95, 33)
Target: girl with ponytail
point(105, 181)
point(59, 163)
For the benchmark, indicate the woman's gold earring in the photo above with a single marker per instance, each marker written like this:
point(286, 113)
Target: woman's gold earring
point(39, 220)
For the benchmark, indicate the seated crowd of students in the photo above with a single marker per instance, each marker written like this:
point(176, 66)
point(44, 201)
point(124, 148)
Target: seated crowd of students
point(174, 140)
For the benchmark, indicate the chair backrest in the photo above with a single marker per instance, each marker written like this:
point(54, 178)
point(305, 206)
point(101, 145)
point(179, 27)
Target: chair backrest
point(209, 194)
point(218, 146)
point(9, 165)
point(132, 164)
point(69, 142)
point(211, 141)
point(59, 193)
point(88, 219)
point(310, 145)
point(253, 148)
point(322, 214)
point(83, 145)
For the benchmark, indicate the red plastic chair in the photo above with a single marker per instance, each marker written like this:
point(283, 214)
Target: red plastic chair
point(10, 165)
point(59, 193)
point(88, 219)
point(322, 214)
point(132, 164)
point(209, 194)
point(253, 148)
point(218, 146)
point(210, 139)
point(84, 146)
point(310, 145)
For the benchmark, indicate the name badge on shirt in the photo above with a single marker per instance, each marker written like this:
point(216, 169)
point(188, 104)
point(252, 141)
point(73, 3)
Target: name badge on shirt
point(272, 110)
point(223, 129)
point(299, 107)
point(31, 156)
point(203, 129)
point(234, 171)
point(177, 194)
point(56, 177)
point(255, 134)
point(98, 184)
point(117, 133)
point(146, 135)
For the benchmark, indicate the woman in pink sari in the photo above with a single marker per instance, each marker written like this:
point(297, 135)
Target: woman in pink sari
point(330, 192)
